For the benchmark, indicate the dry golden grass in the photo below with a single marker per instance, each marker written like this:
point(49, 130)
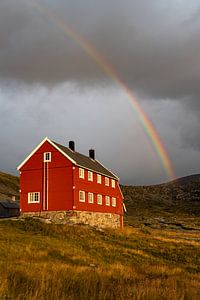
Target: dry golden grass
point(40, 261)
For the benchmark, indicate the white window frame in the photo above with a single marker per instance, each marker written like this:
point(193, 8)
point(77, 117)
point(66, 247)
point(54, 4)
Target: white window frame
point(114, 202)
point(99, 199)
point(98, 178)
point(107, 200)
point(45, 156)
point(83, 194)
point(33, 195)
point(90, 176)
point(90, 200)
point(113, 183)
point(106, 181)
point(81, 173)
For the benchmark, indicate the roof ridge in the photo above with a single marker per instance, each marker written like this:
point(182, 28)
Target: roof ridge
point(94, 165)
point(76, 152)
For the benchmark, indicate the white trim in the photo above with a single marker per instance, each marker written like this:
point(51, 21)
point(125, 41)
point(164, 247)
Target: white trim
point(99, 197)
point(29, 197)
point(107, 181)
point(120, 190)
point(107, 199)
point(124, 207)
point(81, 172)
point(47, 185)
point(90, 173)
point(73, 161)
point(79, 196)
point(114, 201)
point(45, 155)
point(113, 183)
point(46, 139)
point(92, 198)
point(94, 171)
point(44, 188)
point(99, 176)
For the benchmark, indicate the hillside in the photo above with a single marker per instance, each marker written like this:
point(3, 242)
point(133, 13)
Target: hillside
point(156, 256)
point(166, 204)
point(48, 261)
point(9, 186)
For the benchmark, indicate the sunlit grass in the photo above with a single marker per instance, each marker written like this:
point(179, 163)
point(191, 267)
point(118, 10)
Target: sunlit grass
point(42, 261)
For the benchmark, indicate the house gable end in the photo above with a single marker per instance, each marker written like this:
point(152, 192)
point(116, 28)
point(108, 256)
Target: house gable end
point(38, 147)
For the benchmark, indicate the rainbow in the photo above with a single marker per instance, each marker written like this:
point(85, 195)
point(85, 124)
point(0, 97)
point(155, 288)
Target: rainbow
point(112, 73)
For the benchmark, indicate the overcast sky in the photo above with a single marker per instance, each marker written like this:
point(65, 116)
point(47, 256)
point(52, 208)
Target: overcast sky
point(50, 87)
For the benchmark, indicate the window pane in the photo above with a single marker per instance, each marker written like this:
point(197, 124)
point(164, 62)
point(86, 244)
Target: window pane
point(81, 173)
point(81, 196)
point(107, 181)
point(90, 176)
point(34, 197)
point(47, 156)
point(113, 183)
point(107, 200)
point(113, 201)
point(99, 199)
point(98, 178)
point(90, 197)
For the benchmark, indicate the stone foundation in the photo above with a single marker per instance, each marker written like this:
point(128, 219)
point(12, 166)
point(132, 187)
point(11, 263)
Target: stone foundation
point(96, 219)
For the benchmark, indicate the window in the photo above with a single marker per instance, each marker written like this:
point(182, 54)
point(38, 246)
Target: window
point(90, 176)
point(107, 181)
point(98, 178)
point(113, 183)
point(34, 197)
point(113, 201)
point(47, 156)
point(90, 198)
point(99, 199)
point(107, 200)
point(81, 173)
point(81, 196)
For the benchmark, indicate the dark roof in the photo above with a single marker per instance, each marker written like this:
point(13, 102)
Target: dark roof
point(9, 204)
point(86, 162)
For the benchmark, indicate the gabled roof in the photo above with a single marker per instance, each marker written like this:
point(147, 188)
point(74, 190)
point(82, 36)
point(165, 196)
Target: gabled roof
point(76, 158)
point(86, 162)
point(9, 204)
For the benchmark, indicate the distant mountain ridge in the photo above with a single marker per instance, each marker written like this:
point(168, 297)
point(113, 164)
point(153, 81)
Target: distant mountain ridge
point(187, 179)
point(175, 200)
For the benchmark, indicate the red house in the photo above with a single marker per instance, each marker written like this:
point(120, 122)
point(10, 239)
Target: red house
point(60, 184)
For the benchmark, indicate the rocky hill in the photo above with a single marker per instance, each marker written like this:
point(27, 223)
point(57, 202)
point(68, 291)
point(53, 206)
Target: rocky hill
point(9, 186)
point(171, 204)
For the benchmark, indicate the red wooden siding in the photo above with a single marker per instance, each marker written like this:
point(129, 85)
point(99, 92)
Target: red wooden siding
point(59, 180)
point(96, 188)
point(59, 184)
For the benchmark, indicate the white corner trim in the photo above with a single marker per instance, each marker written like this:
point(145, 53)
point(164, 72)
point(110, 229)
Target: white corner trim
point(120, 190)
point(34, 150)
point(124, 207)
point(46, 139)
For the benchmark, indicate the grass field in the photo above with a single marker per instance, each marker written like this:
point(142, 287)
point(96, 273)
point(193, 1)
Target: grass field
point(45, 261)
point(156, 256)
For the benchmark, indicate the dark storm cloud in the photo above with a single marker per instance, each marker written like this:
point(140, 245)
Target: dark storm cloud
point(154, 45)
point(46, 80)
